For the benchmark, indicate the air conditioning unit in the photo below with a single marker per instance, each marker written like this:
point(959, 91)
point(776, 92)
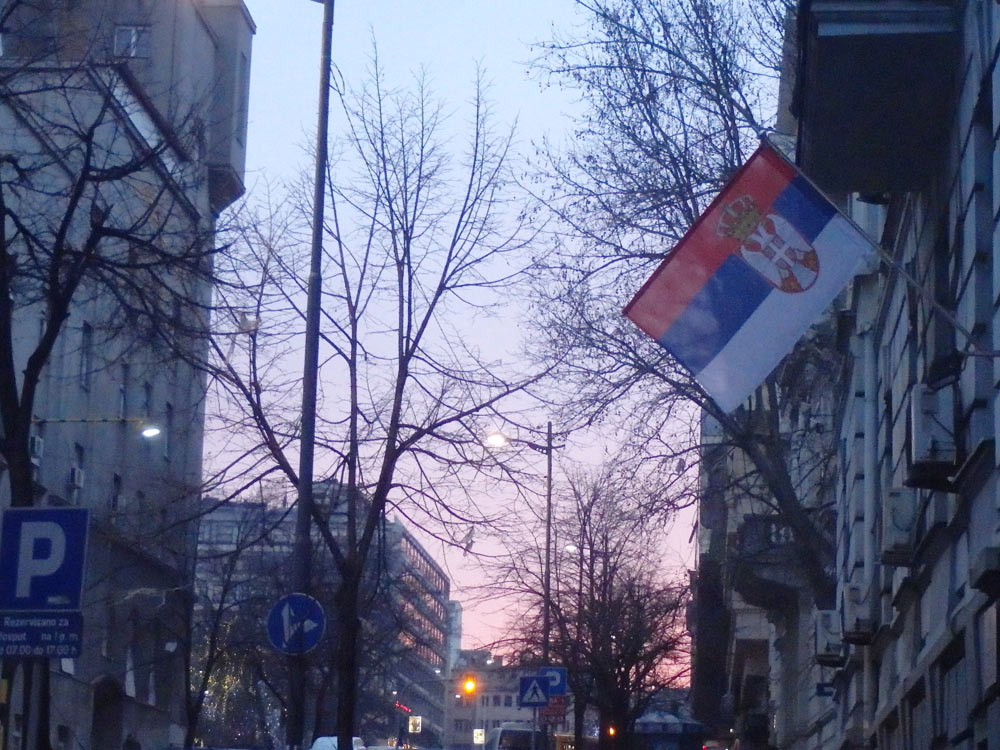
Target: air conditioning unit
point(932, 440)
point(76, 477)
point(859, 626)
point(829, 644)
point(899, 511)
point(984, 573)
point(36, 447)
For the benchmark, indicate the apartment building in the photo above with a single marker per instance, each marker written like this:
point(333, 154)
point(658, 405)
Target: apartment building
point(127, 125)
point(895, 119)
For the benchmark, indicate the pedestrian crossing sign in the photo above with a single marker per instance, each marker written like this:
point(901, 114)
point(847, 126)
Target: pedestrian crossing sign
point(534, 692)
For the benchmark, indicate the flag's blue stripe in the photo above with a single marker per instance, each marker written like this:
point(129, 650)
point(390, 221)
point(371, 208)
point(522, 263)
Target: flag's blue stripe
point(731, 295)
point(804, 207)
point(716, 313)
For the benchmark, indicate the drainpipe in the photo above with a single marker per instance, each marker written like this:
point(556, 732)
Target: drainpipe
point(870, 499)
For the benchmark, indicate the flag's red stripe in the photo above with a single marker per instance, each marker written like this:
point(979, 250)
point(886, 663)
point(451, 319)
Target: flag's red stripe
point(699, 254)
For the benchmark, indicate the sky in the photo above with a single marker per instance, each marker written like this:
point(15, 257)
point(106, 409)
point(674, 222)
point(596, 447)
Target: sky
point(447, 39)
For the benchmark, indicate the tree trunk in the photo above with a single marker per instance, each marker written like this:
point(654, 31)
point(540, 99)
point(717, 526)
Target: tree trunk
point(346, 654)
point(579, 713)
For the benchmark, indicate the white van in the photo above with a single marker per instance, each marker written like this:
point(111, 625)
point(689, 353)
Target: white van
point(330, 743)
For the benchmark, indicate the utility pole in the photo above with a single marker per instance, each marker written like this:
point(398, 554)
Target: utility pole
point(302, 549)
point(547, 573)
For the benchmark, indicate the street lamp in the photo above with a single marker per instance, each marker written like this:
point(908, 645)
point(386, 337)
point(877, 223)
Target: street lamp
point(499, 440)
point(302, 540)
point(146, 429)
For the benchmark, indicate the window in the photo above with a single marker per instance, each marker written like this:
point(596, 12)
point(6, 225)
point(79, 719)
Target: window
point(76, 474)
point(115, 501)
point(484, 701)
point(132, 41)
point(123, 393)
point(168, 430)
point(129, 673)
point(151, 686)
point(64, 737)
point(109, 628)
point(496, 700)
point(508, 700)
point(16, 730)
point(242, 96)
point(86, 355)
point(986, 653)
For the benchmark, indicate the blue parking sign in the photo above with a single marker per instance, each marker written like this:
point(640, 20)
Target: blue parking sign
point(42, 553)
point(556, 677)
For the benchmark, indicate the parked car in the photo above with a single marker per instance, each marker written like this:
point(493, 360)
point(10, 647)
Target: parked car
point(330, 743)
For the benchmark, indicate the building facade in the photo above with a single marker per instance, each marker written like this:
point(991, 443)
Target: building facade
point(244, 553)
point(493, 704)
point(897, 121)
point(130, 118)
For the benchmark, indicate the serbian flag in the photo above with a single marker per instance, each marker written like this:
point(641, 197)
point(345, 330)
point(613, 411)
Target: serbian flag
point(753, 273)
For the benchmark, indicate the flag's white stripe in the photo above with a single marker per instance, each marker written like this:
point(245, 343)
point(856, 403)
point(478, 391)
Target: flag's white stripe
point(781, 319)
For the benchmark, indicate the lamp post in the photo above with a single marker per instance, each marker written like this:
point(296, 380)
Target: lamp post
point(499, 440)
point(295, 724)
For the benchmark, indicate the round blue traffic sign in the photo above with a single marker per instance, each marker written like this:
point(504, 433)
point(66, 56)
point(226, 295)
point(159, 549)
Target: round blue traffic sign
point(295, 624)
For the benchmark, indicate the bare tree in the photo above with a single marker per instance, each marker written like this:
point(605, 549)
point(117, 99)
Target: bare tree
point(424, 248)
point(616, 613)
point(678, 94)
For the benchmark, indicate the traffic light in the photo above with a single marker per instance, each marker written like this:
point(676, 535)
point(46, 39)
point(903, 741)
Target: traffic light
point(469, 684)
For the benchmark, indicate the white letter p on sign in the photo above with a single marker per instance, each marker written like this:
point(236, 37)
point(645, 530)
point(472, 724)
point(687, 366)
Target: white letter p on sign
point(29, 566)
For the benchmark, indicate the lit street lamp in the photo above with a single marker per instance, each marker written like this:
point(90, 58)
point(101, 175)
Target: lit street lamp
point(499, 440)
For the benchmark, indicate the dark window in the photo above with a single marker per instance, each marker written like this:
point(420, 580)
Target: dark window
point(168, 430)
point(116, 492)
point(242, 100)
point(86, 354)
point(123, 393)
point(132, 41)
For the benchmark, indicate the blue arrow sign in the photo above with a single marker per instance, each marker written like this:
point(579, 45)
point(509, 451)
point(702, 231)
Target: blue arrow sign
point(556, 677)
point(534, 692)
point(295, 624)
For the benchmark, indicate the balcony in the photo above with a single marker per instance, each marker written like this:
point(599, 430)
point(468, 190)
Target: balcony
point(875, 81)
point(766, 564)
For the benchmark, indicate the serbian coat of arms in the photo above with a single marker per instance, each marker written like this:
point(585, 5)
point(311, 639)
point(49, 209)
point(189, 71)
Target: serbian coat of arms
point(770, 245)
